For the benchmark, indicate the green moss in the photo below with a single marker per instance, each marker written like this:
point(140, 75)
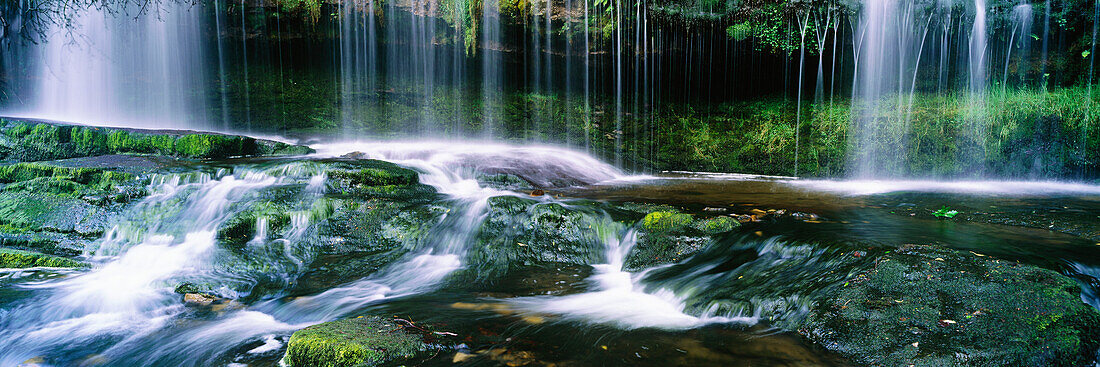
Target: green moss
point(24, 259)
point(665, 221)
point(210, 146)
point(34, 141)
point(378, 179)
point(716, 225)
point(958, 308)
point(377, 176)
point(364, 341)
point(93, 178)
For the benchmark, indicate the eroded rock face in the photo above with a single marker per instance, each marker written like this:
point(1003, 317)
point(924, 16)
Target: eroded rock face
point(923, 305)
point(363, 341)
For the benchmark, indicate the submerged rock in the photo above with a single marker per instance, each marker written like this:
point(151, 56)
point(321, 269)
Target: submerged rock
point(923, 305)
point(25, 259)
point(363, 341)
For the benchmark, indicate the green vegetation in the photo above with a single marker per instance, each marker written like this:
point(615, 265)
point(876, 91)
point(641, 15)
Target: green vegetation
point(38, 141)
point(10, 258)
point(362, 341)
point(60, 179)
point(945, 212)
point(666, 235)
point(930, 306)
point(665, 221)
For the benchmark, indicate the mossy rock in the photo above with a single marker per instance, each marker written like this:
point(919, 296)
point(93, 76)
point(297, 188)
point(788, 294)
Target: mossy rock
point(667, 235)
point(522, 232)
point(504, 181)
point(31, 211)
point(90, 178)
point(377, 179)
point(363, 341)
point(18, 259)
point(26, 141)
point(924, 305)
point(665, 221)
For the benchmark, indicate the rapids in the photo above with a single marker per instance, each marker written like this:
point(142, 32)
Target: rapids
point(123, 310)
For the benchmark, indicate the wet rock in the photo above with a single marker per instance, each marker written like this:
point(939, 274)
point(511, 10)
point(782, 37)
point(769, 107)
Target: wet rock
point(765, 278)
point(521, 232)
point(198, 299)
point(59, 209)
point(667, 236)
point(363, 341)
point(28, 140)
point(376, 179)
point(25, 259)
point(923, 305)
point(504, 181)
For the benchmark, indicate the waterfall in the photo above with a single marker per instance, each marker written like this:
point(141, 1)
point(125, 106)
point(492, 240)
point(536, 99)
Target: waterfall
point(1022, 17)
point(492, 78)
point(358, 61)
point(978, 53)
point(882, 52)
point(127, 296)
point(108, 69)
point(978, 49)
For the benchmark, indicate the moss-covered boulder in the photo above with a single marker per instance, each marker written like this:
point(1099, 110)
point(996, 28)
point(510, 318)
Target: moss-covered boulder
point(929, 306)
point(58, 209)
point(370, 178)
point(504, 181)
point(667, 235)
point(364, 215)
point(522, 232)
point(28, 140)
point(18, 259)
point(363, 341)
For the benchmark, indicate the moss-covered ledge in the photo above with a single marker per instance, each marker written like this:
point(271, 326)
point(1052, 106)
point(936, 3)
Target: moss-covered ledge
point(362, 341)
point(931, 306)
point(18, 259)
point(31, 140)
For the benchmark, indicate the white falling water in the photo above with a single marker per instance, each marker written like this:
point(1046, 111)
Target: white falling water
point(110, 69)
point(885, 60)
point(492, 77)
point(619, 297)
point(978, 49)
point(358, 59)
point(1020, 38)
point(129, 295)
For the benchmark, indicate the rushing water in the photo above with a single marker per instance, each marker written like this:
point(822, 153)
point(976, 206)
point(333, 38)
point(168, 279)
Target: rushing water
point(124, 312)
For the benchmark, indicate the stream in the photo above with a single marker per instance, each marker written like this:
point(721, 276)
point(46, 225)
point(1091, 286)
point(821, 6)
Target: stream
point(123, 310)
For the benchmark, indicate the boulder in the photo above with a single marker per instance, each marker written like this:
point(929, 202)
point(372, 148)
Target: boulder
point(363, 341)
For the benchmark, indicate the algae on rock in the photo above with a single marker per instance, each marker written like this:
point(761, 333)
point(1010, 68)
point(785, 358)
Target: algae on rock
point(363, 341)
point(925, 305)
point(10, 258)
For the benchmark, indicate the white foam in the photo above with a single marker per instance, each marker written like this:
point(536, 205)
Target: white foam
point(1013, 188)
point(621, 300)
point(540, 163)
